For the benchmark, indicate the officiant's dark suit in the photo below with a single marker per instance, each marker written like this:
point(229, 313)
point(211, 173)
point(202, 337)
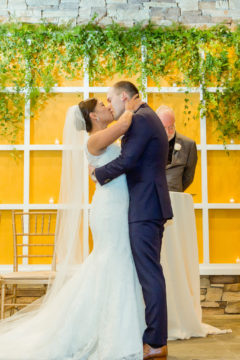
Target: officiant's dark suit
point(143, 158)
point(182, 161)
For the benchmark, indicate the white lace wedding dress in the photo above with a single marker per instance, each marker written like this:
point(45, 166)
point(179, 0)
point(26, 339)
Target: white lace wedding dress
point(99, 312)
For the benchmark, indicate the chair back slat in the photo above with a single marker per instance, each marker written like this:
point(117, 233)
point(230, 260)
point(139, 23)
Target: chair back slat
point(22, 223)
point(15, 264)
point(35, 223)
point(42, 224)
point(49, 222)
point(29, 229)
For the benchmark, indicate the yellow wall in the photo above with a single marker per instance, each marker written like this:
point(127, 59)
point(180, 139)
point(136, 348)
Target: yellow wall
point(224, 239)
point(6, 239)
point(11, 179)
point(47, 124)
point(223, 176)
point(45, 168)
point(45, 173)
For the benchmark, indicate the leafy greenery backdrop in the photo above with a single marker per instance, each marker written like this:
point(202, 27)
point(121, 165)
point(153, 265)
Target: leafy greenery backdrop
point(33, 56)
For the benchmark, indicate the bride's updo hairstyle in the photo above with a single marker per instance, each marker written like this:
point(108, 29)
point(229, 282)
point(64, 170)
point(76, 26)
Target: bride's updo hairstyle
point(86, 107)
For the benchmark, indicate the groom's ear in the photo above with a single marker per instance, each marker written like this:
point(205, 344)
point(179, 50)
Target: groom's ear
point(124, 96)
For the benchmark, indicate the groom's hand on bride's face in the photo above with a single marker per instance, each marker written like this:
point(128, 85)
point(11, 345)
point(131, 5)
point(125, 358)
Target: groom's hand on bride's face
point(92, 173)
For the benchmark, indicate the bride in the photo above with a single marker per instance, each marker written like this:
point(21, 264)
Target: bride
point(94, 309)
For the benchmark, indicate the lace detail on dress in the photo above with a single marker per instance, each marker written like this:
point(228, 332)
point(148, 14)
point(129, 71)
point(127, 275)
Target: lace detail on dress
point(92, 159)
point(138, 356)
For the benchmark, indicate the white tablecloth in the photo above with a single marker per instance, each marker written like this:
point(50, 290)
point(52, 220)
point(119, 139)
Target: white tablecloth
point(179, 259)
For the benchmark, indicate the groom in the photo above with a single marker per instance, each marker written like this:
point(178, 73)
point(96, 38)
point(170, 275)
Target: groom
point(143, 159)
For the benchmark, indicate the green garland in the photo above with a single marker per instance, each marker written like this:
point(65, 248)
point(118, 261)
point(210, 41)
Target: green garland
point(33, 56)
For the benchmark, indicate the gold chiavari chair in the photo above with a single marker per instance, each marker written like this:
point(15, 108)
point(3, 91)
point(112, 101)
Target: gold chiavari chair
point(32, 226)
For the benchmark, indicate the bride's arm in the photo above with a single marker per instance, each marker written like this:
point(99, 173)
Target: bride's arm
point(103, 138)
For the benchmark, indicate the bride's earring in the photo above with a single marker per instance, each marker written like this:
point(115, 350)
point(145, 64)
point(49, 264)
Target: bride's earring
point(98, 119)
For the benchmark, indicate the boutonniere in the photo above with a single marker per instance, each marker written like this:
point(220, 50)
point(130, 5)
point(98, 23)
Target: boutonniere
point(177, 146)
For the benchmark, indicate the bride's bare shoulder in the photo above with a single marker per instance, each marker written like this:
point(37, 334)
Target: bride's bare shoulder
point(91, 148)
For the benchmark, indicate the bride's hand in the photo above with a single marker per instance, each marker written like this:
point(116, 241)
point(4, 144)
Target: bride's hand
point(134, 103)
point(92, 173)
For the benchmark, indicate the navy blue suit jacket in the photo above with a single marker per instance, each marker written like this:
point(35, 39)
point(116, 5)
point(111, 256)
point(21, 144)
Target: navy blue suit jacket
point(143, 158)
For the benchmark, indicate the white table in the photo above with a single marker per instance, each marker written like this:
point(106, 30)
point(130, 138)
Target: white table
point(179, 259)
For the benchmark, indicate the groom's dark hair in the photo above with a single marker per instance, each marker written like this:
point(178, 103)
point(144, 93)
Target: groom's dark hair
point(127, 86)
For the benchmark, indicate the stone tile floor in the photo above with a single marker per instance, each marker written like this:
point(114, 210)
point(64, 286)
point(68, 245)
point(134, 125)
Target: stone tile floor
point(213, 347)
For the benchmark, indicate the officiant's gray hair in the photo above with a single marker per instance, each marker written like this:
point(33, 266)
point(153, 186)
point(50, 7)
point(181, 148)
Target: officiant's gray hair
point(165, 109)
point(127, 86)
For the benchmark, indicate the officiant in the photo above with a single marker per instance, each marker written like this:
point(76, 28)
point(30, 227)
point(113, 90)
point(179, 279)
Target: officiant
point(182, 155)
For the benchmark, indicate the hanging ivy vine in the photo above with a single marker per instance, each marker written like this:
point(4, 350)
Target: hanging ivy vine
point(34, 56)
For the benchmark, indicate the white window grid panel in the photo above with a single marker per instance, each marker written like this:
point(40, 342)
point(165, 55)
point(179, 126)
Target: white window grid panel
point(206, 268)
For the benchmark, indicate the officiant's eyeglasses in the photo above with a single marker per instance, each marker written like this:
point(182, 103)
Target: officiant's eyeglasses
point(170, 128)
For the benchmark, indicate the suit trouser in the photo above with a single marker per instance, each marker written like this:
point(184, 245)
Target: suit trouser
point(146, 242)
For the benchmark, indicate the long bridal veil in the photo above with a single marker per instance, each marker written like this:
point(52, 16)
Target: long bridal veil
point(31, 320)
